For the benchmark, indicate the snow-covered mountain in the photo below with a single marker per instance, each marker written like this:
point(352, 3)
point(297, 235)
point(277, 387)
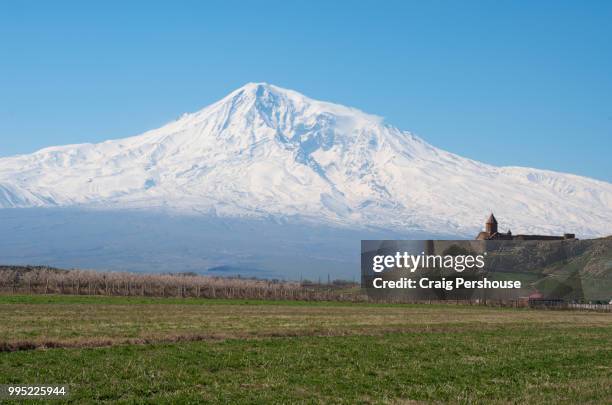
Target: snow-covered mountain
point(268, 152)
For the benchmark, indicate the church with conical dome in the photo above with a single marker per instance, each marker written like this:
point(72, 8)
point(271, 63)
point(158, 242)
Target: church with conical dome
point(492, 233)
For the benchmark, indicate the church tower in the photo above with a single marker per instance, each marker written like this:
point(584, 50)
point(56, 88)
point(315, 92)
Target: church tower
point(491, 225)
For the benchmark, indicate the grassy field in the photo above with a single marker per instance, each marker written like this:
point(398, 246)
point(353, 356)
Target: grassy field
point(148, 350)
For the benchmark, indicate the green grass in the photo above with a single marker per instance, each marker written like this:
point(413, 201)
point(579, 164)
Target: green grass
point(321, 353)
point(119, 300)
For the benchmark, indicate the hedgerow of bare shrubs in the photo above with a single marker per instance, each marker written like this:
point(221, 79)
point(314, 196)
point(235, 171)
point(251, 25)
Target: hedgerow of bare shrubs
point(47, 280)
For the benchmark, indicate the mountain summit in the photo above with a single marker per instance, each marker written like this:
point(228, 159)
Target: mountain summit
point(267, 152)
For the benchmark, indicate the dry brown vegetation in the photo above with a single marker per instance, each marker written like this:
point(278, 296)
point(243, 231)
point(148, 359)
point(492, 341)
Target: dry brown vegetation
point(46, 280)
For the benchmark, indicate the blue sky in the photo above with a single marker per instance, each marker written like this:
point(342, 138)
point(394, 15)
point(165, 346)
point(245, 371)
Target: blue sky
point(506, 82)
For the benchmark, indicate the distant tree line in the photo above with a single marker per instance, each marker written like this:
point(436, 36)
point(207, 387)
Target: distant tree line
point(48, 280)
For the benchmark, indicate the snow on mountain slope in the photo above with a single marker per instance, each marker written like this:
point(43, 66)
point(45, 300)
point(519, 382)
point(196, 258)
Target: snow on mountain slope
point(264, 151)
